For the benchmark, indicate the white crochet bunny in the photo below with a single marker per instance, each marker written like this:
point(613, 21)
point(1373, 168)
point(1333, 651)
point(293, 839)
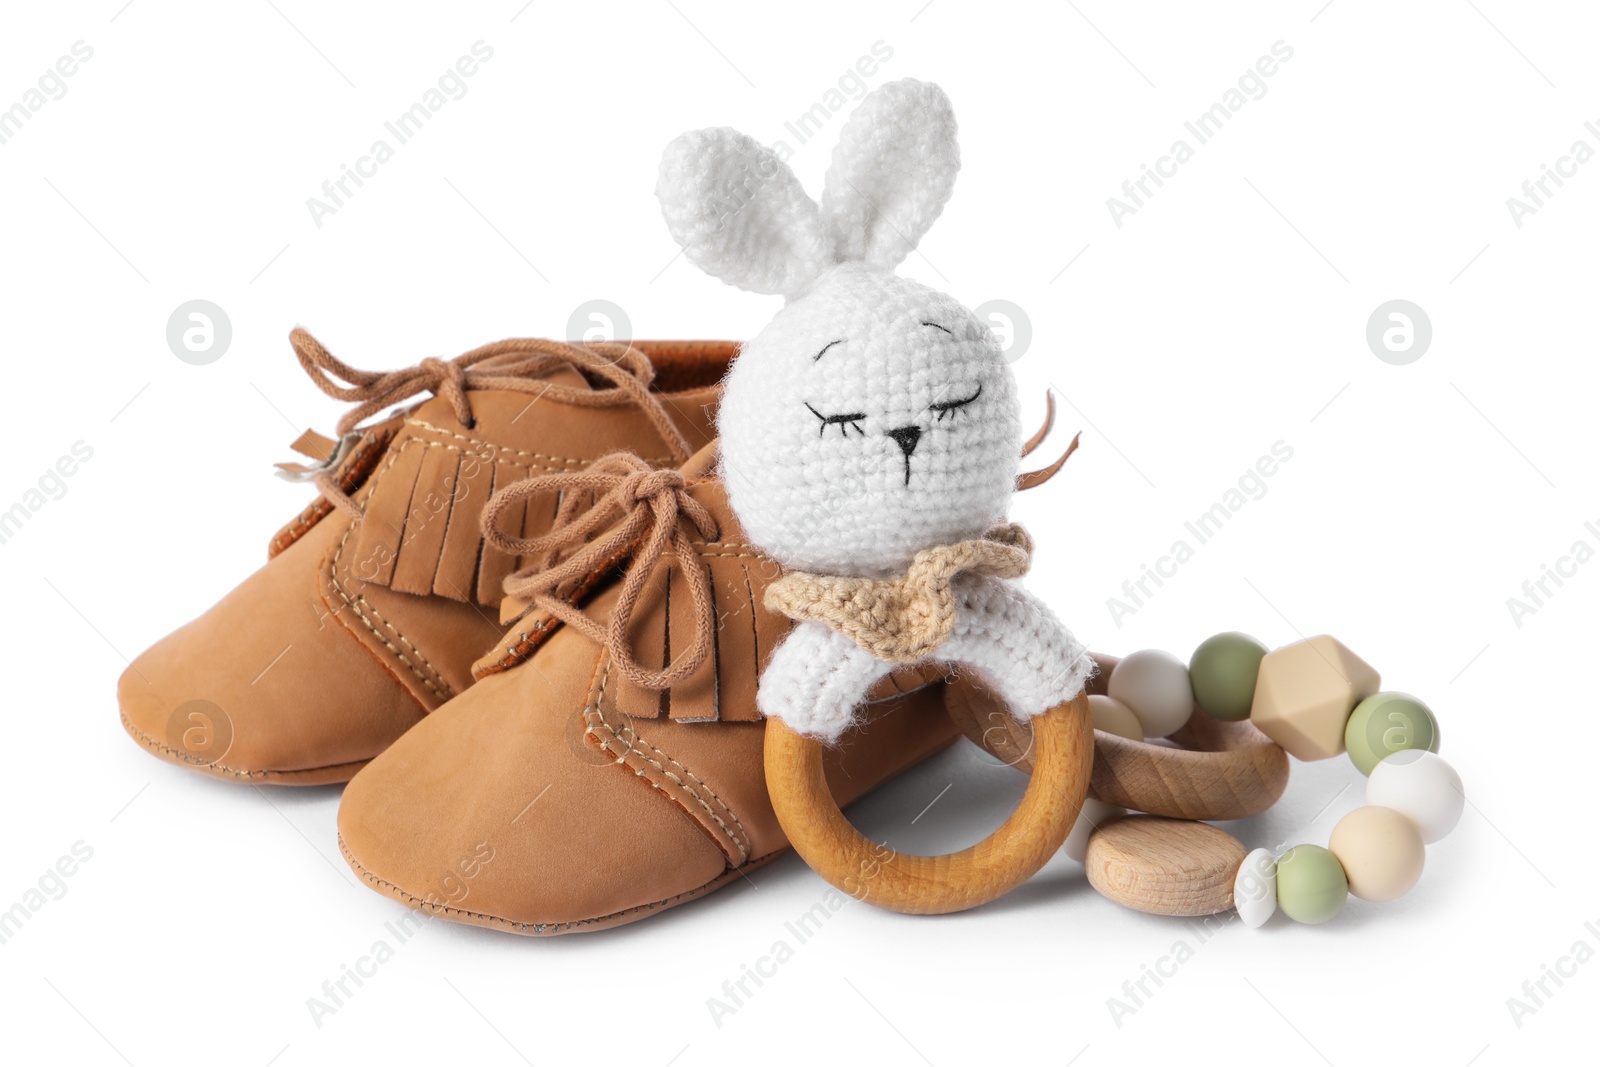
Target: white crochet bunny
point(874, 417)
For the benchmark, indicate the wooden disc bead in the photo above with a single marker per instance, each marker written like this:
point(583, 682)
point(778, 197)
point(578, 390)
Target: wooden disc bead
point(1224, 770)
point(1164, 866)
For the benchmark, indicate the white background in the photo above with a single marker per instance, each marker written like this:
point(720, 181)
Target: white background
point(1227, 314)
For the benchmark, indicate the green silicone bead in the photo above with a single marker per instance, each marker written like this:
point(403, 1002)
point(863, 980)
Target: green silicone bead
point(1222, 673)
point(1386, 723)
point(1312, 886)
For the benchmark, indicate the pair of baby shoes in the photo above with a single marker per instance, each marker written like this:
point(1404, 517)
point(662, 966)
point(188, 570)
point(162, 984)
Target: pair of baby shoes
point(580, 754)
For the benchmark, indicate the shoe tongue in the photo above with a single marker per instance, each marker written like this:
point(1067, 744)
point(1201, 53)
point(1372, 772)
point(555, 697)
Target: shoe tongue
point(439, 411)
point(561, 374)
point(703, 464)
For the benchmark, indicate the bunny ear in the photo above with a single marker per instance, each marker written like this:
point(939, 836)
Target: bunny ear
point(740, 213)
point(892, 172)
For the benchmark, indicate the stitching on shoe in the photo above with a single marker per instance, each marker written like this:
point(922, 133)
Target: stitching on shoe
point(420, 904)
point(444, 693)
point(741, 550)
point(635, 746)
point(303, 522)
point(565, 461)
point(151, 743)
point(741, 840)
point(743, 833)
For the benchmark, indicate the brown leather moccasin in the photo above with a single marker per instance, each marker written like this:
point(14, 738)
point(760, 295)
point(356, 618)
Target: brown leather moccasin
point(377, 598)
point(565, 791)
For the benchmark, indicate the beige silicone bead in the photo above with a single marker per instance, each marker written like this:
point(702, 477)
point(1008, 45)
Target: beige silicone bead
point(1115, 717)
point(1381, 852)
point(1304, 695)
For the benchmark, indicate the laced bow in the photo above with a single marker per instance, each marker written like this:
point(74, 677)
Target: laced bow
point(650, 512)
point(516, 365)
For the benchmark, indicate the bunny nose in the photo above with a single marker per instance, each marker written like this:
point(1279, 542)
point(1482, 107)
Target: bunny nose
point(906, 437)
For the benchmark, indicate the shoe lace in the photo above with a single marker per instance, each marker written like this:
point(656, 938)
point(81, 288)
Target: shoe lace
point(639, 510)
point(517, 365)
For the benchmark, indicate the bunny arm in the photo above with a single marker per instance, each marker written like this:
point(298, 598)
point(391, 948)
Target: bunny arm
point(817, 677)
point(1016, 645)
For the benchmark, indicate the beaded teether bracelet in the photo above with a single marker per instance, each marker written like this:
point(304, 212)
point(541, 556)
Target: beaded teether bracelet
point(1315, 699)
point(1234, 711)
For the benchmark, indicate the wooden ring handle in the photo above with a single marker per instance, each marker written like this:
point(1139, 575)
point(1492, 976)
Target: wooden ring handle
point(1063, 740)
point(1225, 770)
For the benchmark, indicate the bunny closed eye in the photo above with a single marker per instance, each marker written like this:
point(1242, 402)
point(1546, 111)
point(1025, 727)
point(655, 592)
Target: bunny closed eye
point(906, 437)
point(852, 420)
point(950, 407)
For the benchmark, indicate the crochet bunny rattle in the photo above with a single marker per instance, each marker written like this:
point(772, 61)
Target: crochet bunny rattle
point(870, 445)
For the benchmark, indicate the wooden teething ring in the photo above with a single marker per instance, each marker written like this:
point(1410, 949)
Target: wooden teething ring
point(1224, 770)
point(1063, 753)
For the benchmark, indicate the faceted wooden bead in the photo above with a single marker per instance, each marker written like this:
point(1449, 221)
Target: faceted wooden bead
point(1305, 693)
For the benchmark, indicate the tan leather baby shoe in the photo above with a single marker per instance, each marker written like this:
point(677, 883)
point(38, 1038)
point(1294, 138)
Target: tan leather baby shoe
point(377, 598)
point(564, 792)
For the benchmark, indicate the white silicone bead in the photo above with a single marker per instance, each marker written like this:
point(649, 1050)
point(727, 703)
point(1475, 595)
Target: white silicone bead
point(1093, 813)
point(1155, 685)
point(1255, 888)
point(1421, 786)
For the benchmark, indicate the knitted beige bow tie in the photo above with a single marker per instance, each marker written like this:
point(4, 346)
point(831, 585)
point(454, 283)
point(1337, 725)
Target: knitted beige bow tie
point(901, 620)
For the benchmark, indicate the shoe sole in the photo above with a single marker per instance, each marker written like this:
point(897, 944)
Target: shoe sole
point(336, 774)
point(600, 922)
point(554, 929)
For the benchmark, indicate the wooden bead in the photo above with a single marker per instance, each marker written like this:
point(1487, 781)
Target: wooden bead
point(1422, 787)
point(1380, 850)
point(1305, 693)
point(1115, 717)
point(1155, 685)
point(1164, 866)
point(1223, 770)
point(1220, 771)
